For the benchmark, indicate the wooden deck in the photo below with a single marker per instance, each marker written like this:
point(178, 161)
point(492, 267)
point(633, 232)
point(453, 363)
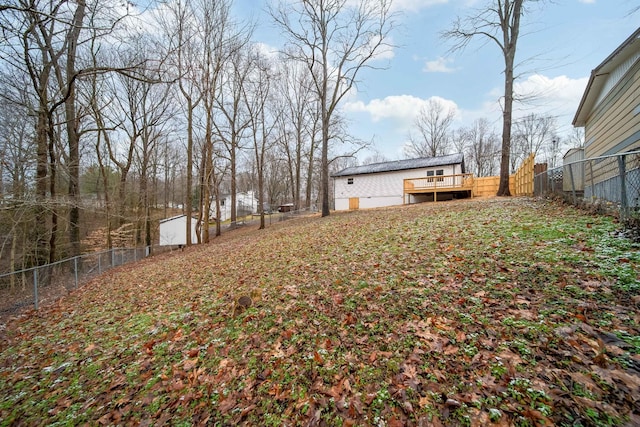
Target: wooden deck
point(460, 183)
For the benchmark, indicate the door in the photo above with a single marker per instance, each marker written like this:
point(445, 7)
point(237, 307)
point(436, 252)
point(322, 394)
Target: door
point(354, 203)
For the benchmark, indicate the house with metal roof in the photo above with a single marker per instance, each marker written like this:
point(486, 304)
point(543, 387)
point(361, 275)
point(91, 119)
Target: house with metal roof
point(402, 182)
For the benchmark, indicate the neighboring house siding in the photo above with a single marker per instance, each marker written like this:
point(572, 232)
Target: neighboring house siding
point(613, 128)
point(614, 125)
point(380, 189)
point(617, 75)
point(245, 204)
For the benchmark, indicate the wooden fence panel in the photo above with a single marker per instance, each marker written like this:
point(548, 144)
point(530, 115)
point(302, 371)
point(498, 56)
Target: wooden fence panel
point(523, 178)
point(520, 183)
point(486, 186)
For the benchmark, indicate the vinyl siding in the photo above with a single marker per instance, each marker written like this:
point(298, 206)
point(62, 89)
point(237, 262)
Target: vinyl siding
point(380, 189)
point(614, 122)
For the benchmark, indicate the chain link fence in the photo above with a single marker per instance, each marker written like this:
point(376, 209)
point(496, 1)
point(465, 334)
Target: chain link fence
point(608, 182)
point(34, 286)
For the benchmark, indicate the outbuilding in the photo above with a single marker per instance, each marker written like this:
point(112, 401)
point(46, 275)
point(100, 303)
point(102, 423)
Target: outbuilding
point(173, 231)
point(402, 182)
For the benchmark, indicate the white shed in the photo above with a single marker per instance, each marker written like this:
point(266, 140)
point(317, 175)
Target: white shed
point(401, 181)
point(173, 231)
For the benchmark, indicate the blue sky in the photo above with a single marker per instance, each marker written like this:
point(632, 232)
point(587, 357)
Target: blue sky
point(562, 41)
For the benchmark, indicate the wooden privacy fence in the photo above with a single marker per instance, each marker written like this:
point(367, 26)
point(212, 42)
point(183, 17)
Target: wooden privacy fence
point(520, 183)
point(523, 178)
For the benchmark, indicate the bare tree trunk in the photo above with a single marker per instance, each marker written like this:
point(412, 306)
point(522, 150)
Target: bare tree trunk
point(42, 168)
point(503, 189)
point(189, 190)
point(216, 190)
point(72, 124)
point(12, 258)
point(52, 194)
point(499, 22)
point(234, 183)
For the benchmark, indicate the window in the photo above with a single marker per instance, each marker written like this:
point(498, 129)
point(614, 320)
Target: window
point(349, 180)
point(440, 172)
point(429, 173)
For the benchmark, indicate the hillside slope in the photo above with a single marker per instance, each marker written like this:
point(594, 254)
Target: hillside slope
point(504, 311)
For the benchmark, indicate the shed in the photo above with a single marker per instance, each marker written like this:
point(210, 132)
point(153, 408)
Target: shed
point(173, 231)
point(287, 207)
point(402, 181)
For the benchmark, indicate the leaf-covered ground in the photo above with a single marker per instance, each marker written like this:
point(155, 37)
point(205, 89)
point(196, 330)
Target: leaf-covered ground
point(503, 311)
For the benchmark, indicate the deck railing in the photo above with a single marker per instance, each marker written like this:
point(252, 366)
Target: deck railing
point(458, 182)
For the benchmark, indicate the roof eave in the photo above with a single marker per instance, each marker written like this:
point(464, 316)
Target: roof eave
point(598, 78)
point(458, 160)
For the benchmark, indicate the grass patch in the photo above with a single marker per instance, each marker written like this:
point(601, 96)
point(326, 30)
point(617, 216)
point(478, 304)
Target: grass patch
point(507, 311)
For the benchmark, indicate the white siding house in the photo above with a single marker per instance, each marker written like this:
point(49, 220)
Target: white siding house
point(173, 231)
point(383, 184)
point(246, 204)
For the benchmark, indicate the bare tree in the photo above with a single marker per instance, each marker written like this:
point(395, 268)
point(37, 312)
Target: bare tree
point(258, 97)
point(498, 22)
point(482, 146)
point(186, 44)
point(576, 138)
point(335, 40)
point(220, 39)
point(532, 134)
point(17, 166)
point(296, 122)
point(433, 125)
point(234, 118)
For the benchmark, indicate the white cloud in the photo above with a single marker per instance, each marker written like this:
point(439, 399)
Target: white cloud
point(558, 96)
point(439, 65)
point(550, 96)
point(415, 5)
point(401, 109)
point(267, 51)
point(385, 51)
point(392, 117)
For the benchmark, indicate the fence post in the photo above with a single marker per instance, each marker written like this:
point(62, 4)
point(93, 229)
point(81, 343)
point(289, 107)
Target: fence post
point(573, 185)
point(147, 251)
point(99, 263)
point(622, 166)
point(35, 288)
point(75, 269)
point(593, 185)
point(113, 258)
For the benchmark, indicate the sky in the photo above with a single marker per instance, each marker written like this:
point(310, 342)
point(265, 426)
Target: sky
point(561, 42)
